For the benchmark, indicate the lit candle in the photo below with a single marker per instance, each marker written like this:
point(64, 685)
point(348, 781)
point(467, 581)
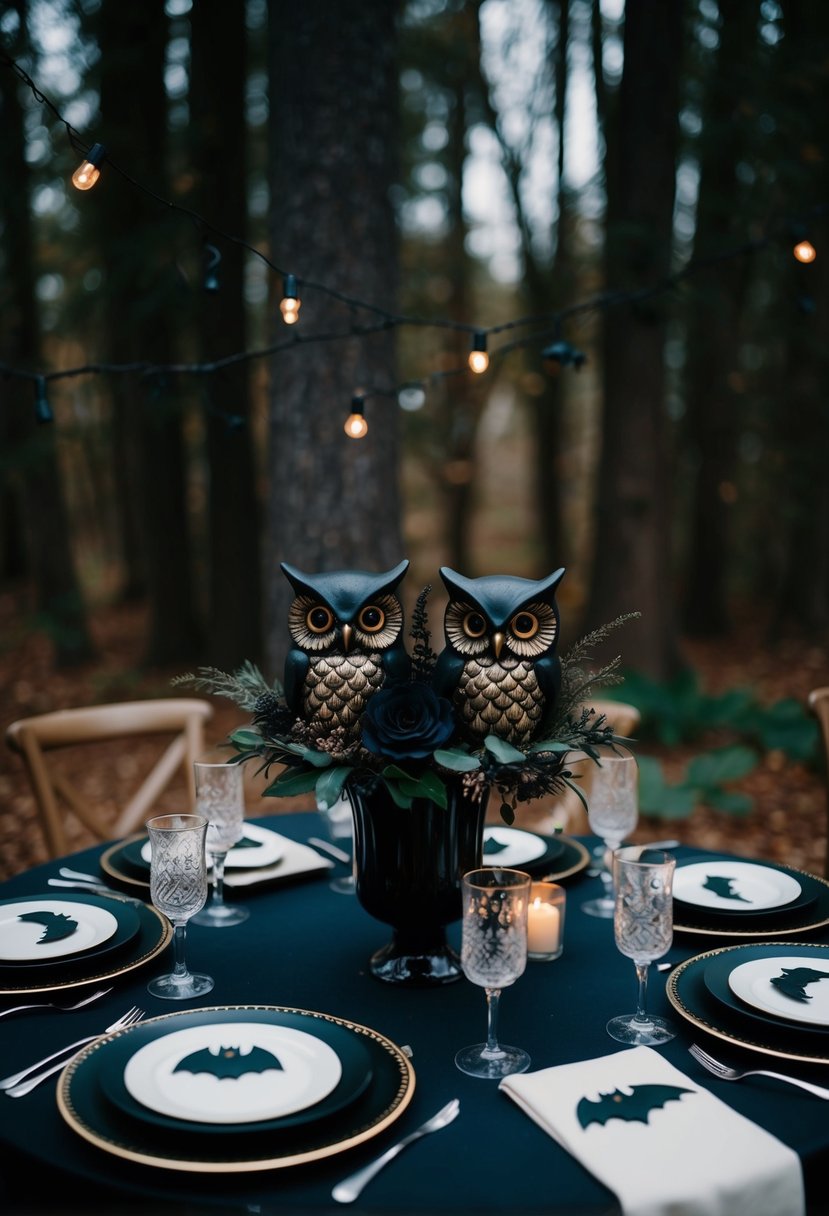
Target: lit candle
point(545, 921)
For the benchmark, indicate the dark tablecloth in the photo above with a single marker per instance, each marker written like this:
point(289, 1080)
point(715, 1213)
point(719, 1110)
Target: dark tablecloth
point(306, 946)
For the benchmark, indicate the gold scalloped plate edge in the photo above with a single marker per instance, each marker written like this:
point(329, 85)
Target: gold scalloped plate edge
point(752, 1044)
point(166, 936)
point(390, 1115)
point(582, 863)
point(761, 934)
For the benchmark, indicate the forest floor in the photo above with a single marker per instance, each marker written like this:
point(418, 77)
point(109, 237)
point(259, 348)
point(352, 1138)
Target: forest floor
point(787, 823)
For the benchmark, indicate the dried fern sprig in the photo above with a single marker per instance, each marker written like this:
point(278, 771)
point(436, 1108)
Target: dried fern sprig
point(423, 657)
point(244, 686)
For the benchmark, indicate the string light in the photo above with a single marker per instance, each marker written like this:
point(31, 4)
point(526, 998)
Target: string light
point(89, 170)
point(43, 410)
point(562, 354)
point(290, 303)
point(356, 426)
point(213, 260)
point(805, 252)
point(478, 357)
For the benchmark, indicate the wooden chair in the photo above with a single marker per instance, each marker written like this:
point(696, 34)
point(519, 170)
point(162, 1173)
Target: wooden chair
point(34, 739)
point(819, 705)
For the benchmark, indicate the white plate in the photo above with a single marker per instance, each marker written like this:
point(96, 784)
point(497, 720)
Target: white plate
point(22, 940)
point(803, 1002)
point(310, 1071)
point(519, 847)
point(752, 887)
point(268, 849)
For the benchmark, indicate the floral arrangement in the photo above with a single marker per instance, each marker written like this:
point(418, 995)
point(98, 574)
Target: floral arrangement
point(409, 738)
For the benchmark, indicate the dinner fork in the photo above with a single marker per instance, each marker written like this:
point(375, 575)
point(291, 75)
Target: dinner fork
point(726, 1073)
point(348, 1190)
point(87, 1000)
point(15, 1086)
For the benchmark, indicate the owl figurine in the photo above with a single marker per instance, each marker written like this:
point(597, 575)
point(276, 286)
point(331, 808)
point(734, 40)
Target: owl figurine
point(347, 633)
point(499, 667)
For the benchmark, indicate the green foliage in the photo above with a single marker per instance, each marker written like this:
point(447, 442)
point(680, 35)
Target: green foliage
point(703, 782)
point(680, 711)
point(244, 686)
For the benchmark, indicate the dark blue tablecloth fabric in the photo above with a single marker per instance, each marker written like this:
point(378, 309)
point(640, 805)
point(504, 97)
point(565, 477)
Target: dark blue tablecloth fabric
point(305, 946)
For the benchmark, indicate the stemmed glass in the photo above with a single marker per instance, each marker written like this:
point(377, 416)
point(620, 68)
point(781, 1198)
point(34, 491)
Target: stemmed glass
point(178, 888)
point(493, 955)
point(613, 812)
point(220, 797)
point(338, 822)
point(644, 929)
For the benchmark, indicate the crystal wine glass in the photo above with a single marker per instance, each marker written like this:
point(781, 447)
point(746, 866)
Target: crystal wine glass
point(644, 929)
point(613, 812)
point(493, 955)
point(220, 798)
point(178, 888)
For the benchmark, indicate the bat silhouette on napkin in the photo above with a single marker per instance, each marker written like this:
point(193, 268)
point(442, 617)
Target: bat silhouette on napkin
point(634, 1107)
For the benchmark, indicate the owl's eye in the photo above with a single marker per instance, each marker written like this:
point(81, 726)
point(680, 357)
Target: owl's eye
point(474, 625)
point(319, 619)
point(371, 618)
point(524, 625)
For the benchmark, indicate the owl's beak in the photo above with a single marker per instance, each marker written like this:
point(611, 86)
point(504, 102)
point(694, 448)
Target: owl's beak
point(498, 644)
point(347, 635)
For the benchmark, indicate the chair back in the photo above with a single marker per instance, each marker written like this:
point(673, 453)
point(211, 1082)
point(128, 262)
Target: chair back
point(35, 738)
point(819, 705)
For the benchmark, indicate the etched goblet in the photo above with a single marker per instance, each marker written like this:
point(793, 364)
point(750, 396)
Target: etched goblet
point(178, 888)
point(494, 955)
point(613, 812)
point(220, 798)
point(644, 928)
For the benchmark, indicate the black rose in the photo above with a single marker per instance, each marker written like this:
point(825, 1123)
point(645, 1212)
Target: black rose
point(407, 722)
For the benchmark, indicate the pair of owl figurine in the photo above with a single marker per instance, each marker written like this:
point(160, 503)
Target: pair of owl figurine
point(499, 667)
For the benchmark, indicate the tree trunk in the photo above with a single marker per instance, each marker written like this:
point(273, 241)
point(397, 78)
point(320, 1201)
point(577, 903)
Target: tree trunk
point(717, 299)
point(333, 501)
point(32, 448)
point(144, 308)
point(631, 561)
point(218, 52)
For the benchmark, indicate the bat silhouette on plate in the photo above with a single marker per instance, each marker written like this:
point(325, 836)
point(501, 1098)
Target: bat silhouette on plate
point(634, 1107)
point(493, 846)
point(57, 925)
point(229, 1062)
point(722, 887)
point(792, 981)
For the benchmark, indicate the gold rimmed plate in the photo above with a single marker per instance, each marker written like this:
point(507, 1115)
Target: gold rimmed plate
point(152, 937)
point(808, 912)
point(693, 1000)
point(83, 1102)
point(571, 859)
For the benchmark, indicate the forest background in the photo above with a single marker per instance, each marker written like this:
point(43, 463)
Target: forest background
point(607, 194)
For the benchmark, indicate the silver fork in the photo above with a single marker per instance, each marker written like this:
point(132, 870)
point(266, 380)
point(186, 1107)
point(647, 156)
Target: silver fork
point(87, 1000)
point(348, 1190)
point(726, 1073)
point(15, 1086)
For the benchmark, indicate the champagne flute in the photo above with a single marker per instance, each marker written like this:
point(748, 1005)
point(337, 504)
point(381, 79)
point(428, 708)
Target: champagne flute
point(220, 798)
point(178, 888)
point(613, 812)
point(644, 929)
point(493, 955)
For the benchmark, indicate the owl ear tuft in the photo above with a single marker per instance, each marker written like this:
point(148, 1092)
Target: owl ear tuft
point(457, 585)
point(396, 574)
point(548, 586)
point(297, 579)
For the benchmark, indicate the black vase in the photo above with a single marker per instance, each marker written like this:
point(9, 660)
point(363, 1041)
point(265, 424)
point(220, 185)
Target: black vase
point(408, 866)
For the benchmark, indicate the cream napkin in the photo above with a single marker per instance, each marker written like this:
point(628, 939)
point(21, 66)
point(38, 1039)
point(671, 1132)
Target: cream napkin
point(694, 1156)
point(296, 860)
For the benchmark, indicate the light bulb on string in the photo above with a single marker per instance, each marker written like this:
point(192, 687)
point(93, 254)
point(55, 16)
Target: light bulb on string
point(43, 410)
point(356, 426)
point(290, 303)
point(478, 357)
point(561, 354)
point(213, 259)
point(805, 252)
point(89, 170)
